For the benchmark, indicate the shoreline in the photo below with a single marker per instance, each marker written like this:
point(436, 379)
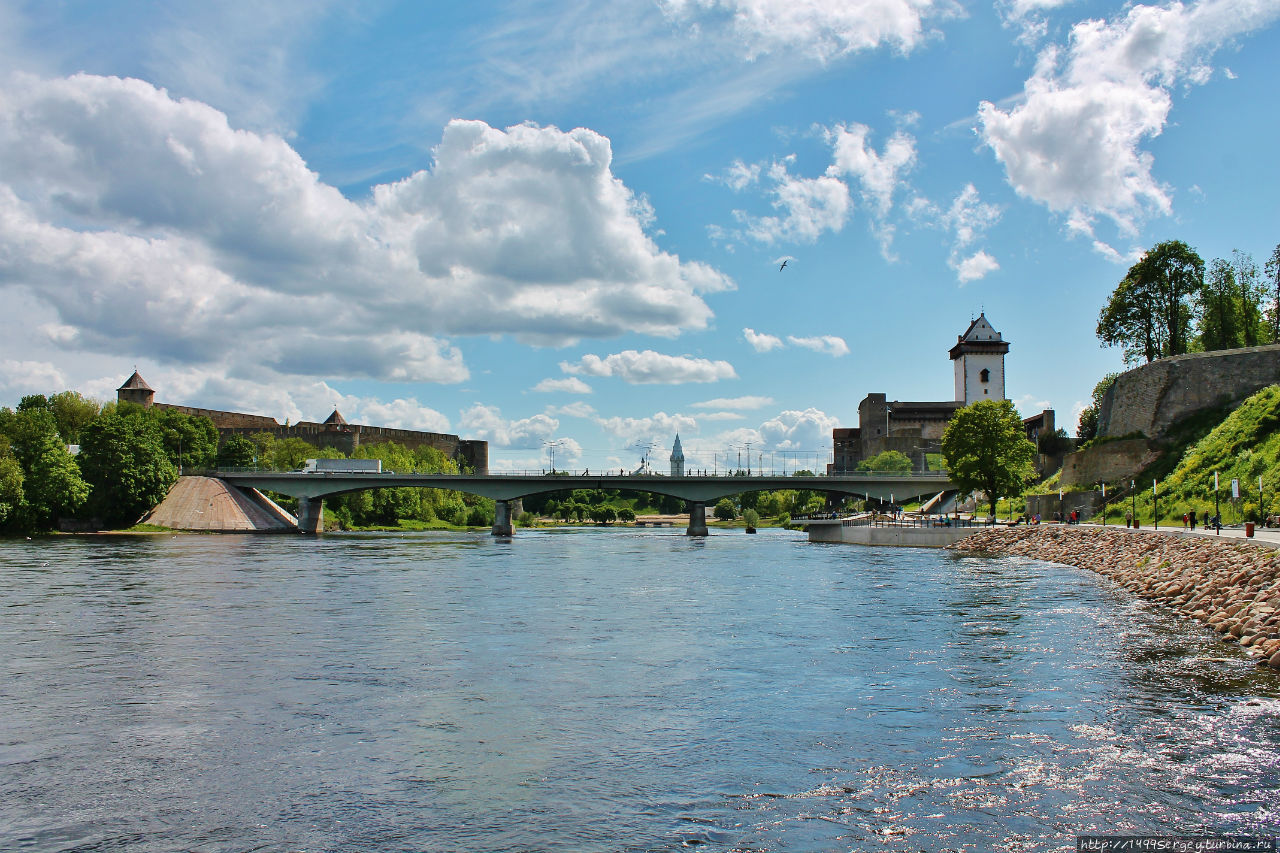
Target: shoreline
point(1229, 585)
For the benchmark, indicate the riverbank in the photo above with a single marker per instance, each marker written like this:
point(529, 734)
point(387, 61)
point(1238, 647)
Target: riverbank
point(1229, 585)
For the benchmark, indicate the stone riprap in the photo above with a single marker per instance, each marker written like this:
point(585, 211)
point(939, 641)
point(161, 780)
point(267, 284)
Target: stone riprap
point(1233, 587)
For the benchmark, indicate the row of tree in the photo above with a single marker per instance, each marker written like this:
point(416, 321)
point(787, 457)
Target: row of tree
point(1170, 303)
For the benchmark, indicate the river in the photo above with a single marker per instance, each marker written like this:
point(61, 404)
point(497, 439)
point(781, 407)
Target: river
point(605, 690)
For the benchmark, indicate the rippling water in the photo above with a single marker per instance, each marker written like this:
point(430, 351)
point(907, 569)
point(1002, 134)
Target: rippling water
point(605, 690)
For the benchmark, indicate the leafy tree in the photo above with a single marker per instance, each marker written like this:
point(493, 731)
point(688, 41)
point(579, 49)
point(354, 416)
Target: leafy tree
point(1272, 269)
point(290, 454)
point(237, 452)
point(191, 441)
point(1221, 322)
point(11, 495)
point(1087, 426)
point(123, 458)
point(1053, 443)
point(889, 460)
point(1251, 293)
point(52, 485)
point(627, 515)
point(751, 517)
point(34, 403)
point(725, 510)
point(1149, 313)
point(72, 410)
point(47, 483)
point(987, 450)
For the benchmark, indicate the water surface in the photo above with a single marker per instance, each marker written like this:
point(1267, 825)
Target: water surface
point(605, 690)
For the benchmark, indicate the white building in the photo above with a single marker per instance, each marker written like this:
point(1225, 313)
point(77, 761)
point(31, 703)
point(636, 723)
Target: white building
point(978, 358)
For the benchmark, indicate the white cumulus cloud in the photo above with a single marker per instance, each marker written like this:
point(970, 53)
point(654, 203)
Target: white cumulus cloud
point(651, 368)
point(567, 385)
point(744, 403)
point(974, 267)
point(830, 344)
point(153, 229)
point(761, 342)
point(1075, 140)
point(487, 422)
point(822, 29)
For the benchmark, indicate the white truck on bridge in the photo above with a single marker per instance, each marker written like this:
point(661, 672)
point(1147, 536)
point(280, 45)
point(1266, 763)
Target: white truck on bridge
point(343, 466)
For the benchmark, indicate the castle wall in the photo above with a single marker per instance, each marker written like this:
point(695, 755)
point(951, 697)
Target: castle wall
point(1110, 462)
point(1151, 398)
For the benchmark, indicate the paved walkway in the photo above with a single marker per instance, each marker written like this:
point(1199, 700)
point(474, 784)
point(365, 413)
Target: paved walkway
point(1261, 535)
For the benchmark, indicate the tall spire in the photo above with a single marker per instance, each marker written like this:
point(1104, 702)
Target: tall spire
point(677, 458)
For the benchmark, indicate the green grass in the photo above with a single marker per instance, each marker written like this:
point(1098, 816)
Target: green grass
point(1244, 444)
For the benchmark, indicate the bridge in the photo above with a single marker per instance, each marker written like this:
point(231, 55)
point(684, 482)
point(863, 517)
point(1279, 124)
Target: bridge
point(311, 488)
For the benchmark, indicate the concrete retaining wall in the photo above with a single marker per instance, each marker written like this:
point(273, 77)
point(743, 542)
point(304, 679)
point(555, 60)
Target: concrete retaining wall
point(902, 537)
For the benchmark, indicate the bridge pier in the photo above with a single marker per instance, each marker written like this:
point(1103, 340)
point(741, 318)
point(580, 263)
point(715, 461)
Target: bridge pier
point(310, 515)
point(697, 518)
point(502, 525)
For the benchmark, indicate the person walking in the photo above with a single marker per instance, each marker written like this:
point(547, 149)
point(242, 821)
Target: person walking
point(1184, 521)
point(1192, 515)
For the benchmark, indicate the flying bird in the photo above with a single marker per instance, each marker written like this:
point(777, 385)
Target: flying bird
point(783, 267)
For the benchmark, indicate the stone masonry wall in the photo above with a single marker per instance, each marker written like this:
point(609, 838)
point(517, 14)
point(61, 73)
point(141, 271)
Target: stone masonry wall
point(1109, 462)
point(1151, 398)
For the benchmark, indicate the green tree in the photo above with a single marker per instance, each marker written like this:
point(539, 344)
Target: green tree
point(237, 452)
point(987, 450)
point(290, 454)
point(190, 441)
point(123, 458)
point(11, 495)
point(1272, 269)
point(1149, 313)
point(627, 515)
point(888, 461)
point(1251, 294)
point(1087, 425)
point(725, 510)
point(751, 517)
point(1219, 315)
point(72, 410)
point(53, 486)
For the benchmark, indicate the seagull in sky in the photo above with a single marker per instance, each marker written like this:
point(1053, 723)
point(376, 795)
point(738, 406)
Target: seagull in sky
point(783, 267)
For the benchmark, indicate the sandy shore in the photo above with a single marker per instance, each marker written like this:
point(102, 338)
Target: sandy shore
point(1230, 585)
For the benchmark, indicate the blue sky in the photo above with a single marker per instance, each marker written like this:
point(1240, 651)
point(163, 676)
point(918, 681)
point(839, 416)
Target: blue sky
point(561, 223)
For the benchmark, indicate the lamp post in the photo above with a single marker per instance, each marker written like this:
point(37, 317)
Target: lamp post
point(1133, 497)
point(1217, 518)
point(1155, 504)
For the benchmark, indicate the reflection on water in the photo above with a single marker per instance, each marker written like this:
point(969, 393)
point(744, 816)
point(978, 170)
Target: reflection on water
point(605, 690)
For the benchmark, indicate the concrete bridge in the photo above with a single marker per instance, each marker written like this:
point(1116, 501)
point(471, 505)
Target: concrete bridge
point(697, 491)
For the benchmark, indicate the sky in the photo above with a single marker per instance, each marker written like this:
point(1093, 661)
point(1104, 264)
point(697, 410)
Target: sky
point(558, 226)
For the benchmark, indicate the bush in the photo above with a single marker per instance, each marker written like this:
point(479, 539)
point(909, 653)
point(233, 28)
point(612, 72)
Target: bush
point(725, 510)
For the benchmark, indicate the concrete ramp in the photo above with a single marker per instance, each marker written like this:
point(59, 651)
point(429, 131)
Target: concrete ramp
point(209, 504)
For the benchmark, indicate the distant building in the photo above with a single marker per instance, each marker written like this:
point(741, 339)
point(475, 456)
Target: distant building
point(677, 459)
point(915, 428)
point(334, 433)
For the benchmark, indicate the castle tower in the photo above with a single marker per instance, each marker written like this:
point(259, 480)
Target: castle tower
point(978, 357)
point(677, 459)
point(136, 390)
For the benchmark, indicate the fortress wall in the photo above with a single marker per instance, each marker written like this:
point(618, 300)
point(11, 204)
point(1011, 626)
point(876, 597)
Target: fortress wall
point(1110, 462)
point(1151, 398)
point(225, 420)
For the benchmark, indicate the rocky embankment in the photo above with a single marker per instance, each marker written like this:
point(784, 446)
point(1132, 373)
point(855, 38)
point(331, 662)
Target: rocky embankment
point(1231, 586)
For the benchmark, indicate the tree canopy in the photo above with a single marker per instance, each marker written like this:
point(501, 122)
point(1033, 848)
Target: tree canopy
point(987, 450)
point(1149, 313)
point(123, 457)
point(889, 460)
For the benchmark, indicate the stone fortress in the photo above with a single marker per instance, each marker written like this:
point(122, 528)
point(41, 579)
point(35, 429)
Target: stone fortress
point(1144, 404)
point(915, 428)
point(334, 433)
